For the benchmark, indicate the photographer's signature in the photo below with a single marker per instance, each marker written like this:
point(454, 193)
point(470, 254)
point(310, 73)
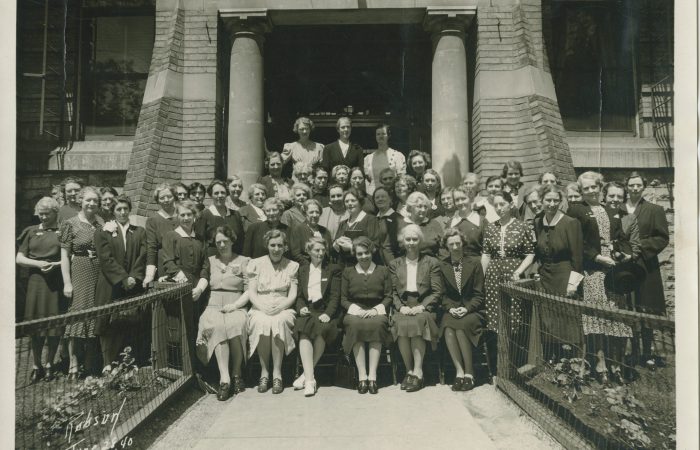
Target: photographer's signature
point(83, 421)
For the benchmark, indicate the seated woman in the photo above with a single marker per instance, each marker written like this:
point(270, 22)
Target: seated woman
point(317, 304)
point(223, 324)
point(463, 320)
point(272, 288)
point(300, 233)
point(417, 288)
point(366, 294)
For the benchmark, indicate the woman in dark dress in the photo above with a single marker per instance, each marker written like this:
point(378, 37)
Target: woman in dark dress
point(80, 268)
point(559, 252)
point(253, 211)
point(318, 297)
point(72, 206)
point(160, 223)
point(121, 249)
point(295, 214)
point(185, 260)
point(216, 215)
point(274, 183)
point(358, 223)
point(254, 245)
point(605, 338)
point(40, 252)
point(300, 233)
point(366, 295)
point(463, 318)
point(417, 288)
point(653, 239)
point(511, 174)
point(469, 222)
point(418, 210)
point(389, 220)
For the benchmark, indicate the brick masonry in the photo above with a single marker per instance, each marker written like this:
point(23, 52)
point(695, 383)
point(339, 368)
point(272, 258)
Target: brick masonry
point(176, 137)
point(526, 128)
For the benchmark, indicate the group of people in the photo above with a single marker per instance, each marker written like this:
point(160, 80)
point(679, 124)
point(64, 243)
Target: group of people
point(370, 246)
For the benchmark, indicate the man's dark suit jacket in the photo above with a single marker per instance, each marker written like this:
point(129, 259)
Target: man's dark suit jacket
point(333, 156)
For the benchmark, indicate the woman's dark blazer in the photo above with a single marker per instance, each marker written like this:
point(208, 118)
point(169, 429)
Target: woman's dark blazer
point(471, 295)
point(591, 234)
point(117, 264)
point(299, 234)
point(331, 276)
point(390, 249)
point(249, 216)
point(428, 282)
point(332, 156)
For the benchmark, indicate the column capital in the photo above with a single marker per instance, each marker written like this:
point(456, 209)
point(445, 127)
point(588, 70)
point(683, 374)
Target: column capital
point(448, 19)
point(246, 20)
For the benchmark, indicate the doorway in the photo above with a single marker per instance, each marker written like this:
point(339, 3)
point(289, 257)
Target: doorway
point(372, 73)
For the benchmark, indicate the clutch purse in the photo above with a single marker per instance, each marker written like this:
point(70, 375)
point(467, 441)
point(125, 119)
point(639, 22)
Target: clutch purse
point(345, 374)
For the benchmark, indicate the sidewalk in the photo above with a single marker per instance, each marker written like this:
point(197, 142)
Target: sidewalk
point(434, 417)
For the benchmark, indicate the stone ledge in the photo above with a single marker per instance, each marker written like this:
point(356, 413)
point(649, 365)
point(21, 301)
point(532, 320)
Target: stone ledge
point(94, 155)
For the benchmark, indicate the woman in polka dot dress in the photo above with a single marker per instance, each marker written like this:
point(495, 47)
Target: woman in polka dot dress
point(507, 253)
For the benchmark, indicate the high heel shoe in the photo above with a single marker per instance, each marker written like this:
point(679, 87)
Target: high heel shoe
point(363, 387)
point(372, 388)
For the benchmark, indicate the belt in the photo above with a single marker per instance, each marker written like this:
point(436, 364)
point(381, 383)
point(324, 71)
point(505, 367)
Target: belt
point(88, 253)
point(226, 290)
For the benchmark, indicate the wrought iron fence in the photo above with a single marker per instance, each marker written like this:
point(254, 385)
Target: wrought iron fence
point(116, 380)
point(591, 375)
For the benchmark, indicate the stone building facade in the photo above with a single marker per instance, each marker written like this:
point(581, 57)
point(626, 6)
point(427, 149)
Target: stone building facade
point(194, 98)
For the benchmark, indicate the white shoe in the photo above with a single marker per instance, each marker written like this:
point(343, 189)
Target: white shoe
point(299, 383)
point(310, 388)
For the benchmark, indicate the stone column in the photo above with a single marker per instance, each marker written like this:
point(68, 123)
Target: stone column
point(246, 141)
point(450, 132)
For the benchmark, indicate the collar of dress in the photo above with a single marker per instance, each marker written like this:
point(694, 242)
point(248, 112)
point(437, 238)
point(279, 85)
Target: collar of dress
point(359, 217)
point(215, 211)
point(370, 270)
point(183, 233)
point(555, 220)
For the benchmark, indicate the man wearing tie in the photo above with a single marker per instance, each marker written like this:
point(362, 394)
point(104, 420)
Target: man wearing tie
point(342, 151)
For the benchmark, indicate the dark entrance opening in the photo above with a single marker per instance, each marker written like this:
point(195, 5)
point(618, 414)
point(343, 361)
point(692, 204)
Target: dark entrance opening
point(373, 73)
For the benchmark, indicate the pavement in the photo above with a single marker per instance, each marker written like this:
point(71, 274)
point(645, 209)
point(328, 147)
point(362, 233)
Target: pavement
point(434, 417)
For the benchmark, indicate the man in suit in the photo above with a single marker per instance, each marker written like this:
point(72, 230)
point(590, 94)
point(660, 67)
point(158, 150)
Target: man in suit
point(121, 249)
point(342, 151)
point(653, 238)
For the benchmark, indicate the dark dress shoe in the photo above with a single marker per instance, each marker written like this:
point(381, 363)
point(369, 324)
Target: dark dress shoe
point(277, 386)
point(416, 384)
point(373, 389)
point(263, 385)
point(362, 386)
point(238, 385)
point(467, 384)
point(457, 386)
point(224, 390)
point(50, 375)
point(37, 374)
point(404, 382)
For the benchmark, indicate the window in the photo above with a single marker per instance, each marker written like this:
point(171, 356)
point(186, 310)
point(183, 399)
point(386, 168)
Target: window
point(116, 74)
point(591, 58)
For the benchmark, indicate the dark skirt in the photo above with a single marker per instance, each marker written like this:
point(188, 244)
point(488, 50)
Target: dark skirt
point(373, 329)
point(422, 324)
point(472, 324)
point(560, 322)
point(312, 327)
point(44, 298)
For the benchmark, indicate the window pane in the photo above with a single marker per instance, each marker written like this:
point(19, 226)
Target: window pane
point(117, 74)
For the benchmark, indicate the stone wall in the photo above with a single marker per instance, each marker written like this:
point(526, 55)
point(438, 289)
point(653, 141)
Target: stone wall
point(515, 114)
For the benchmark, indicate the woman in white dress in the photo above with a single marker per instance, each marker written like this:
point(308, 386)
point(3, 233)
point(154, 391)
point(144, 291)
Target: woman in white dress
point(272, 288)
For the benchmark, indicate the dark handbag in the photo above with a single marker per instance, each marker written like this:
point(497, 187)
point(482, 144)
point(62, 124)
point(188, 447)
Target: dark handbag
point(345, 374)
